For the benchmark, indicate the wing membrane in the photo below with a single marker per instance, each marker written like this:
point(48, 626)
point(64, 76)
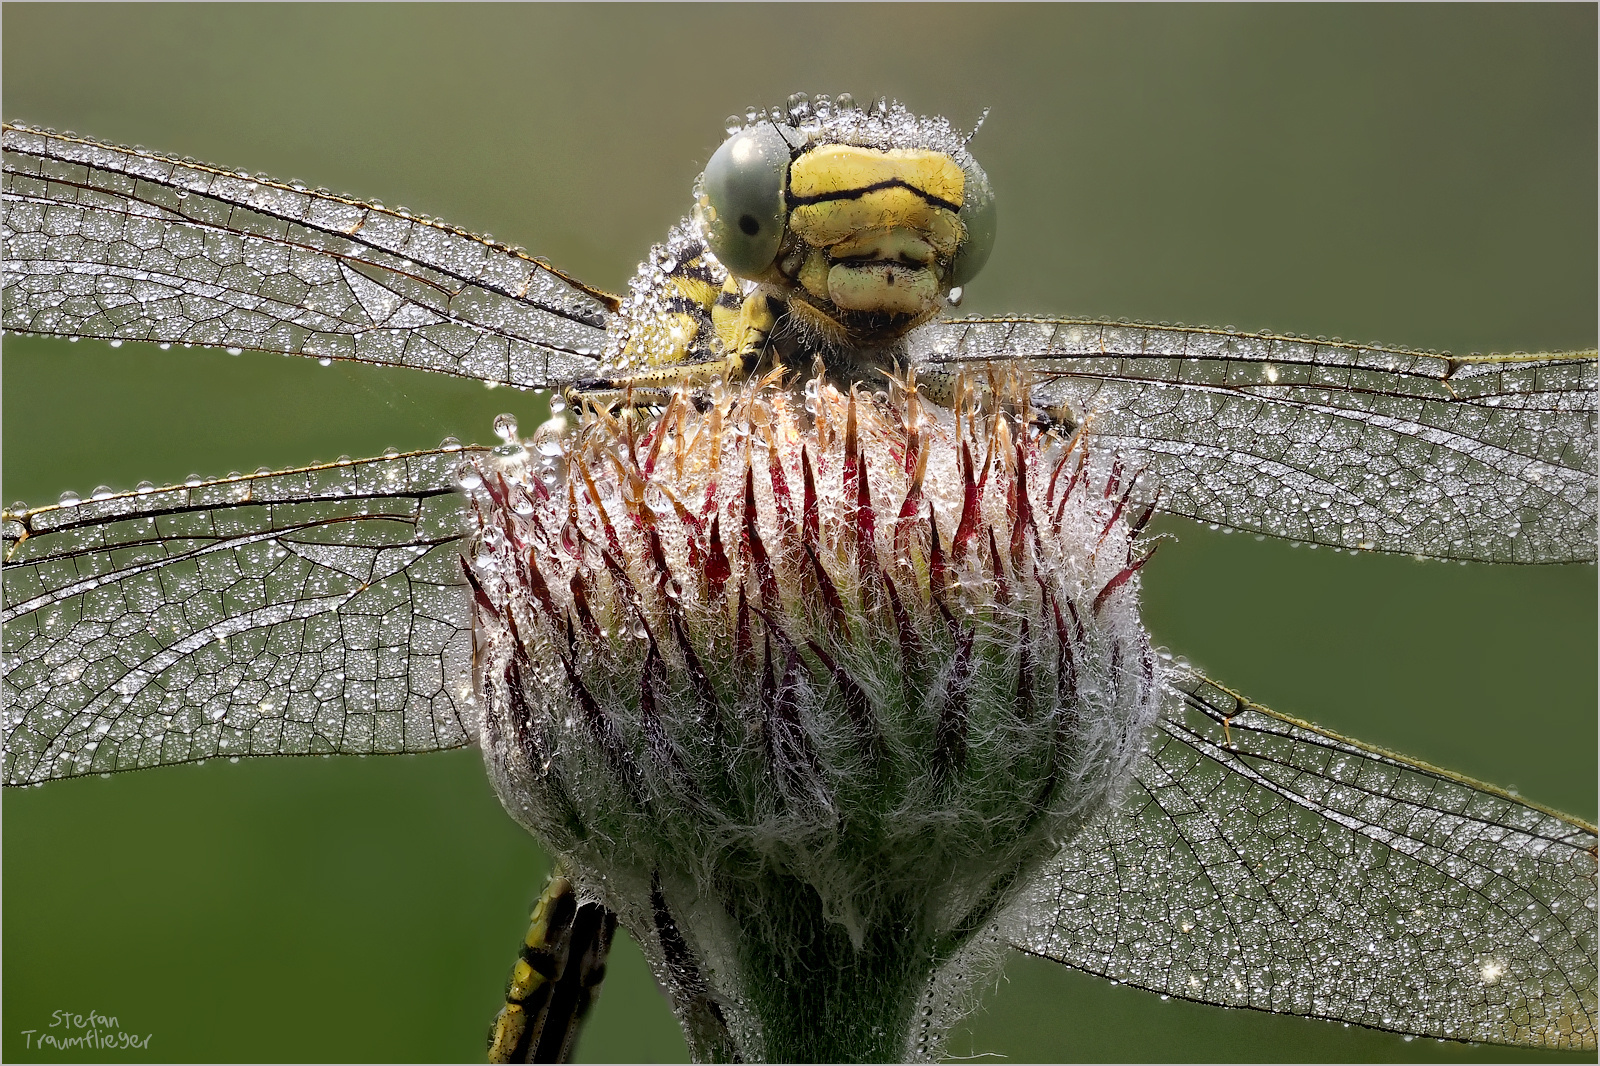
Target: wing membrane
point(120, 243)
point(1488, 458)
point(1262, 862)
point(312, 610)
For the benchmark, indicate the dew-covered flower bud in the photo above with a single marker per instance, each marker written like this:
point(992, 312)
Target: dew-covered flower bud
point(806, 686)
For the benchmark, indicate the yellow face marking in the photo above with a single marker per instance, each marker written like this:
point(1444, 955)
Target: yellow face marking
point(885, 242)
point(871, 189)
point(826, 224)
point(844, 168)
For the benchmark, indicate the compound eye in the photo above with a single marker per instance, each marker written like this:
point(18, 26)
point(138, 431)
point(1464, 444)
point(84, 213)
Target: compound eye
point(978, 215)
point(743, 185)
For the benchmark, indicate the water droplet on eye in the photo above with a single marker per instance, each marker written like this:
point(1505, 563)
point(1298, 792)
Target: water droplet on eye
point(845, 102)
point(116, 344)
point(733, 123)
point(954, 298)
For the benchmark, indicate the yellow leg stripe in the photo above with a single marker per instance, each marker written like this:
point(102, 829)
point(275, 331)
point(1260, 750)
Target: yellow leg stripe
point(541, 961)
point(525, 980)
point(506, 1033)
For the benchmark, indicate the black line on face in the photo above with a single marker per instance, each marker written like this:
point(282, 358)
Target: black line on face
point(856, 194)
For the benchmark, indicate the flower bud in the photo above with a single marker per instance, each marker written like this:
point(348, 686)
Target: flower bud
point(806, 685)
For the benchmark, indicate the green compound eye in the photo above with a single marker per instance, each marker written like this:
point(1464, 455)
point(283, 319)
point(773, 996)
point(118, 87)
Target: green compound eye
point(978, 214)
point(743, 184)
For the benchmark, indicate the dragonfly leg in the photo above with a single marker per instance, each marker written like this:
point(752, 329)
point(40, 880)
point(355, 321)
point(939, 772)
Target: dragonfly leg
point(652, 386)
point(555, 979)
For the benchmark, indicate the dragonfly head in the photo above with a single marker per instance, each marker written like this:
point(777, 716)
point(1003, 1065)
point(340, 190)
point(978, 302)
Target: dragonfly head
point(863, 221)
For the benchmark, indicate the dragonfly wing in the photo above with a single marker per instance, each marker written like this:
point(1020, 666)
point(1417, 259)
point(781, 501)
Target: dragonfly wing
point(307, 611)
point(1262, 862)
point(120, 243)
point(1488, 458)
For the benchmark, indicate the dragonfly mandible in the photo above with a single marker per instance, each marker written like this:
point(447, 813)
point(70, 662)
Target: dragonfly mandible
point(1359, 447)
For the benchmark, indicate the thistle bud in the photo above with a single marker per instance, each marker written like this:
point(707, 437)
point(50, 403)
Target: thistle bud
point(806, 685)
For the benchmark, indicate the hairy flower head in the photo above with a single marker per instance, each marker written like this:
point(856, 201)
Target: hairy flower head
point(799, 679)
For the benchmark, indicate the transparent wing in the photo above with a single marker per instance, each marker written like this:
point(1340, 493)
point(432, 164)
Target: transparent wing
point(1489, 458)
point(306, 611)
point(1263, 862)
point(120, 243)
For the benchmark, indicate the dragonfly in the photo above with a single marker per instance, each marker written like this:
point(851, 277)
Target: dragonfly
point(323, 608)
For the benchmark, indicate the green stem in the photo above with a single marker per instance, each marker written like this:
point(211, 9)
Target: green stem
point(817, 997)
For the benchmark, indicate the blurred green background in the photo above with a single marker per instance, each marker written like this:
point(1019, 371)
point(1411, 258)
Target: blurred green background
point(1417, 175)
